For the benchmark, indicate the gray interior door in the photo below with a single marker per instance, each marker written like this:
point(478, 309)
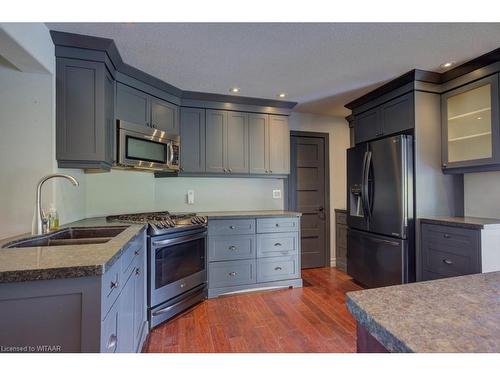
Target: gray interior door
point(308, 185)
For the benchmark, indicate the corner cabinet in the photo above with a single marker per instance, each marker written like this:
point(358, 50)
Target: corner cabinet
point(84, 114)
point(192, 131)
point(138, 107)
point(470, 127)
point(392, 117)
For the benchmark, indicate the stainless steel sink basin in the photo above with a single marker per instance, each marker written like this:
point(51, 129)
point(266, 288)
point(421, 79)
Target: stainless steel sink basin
point(69, 236)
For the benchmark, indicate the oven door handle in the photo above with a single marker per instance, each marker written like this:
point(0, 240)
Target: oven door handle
point(178, 240)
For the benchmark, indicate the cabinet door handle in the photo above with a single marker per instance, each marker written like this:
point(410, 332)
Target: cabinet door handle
point(230, 170)
point(136, 252)
point(270, 171)
point(278, 268)
point(114, 284)
point(113, 340)
point(137, 271)
point(446, 235)
point(232, 227)
point(447, 261)
point(277, 225)
point(232, 273)
point(232, 248)
point(277, 244)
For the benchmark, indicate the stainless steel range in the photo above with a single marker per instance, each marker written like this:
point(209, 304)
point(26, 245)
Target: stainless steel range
point(177, 268)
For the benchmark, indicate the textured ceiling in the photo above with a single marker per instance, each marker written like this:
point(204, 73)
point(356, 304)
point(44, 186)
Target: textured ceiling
point(321, 66)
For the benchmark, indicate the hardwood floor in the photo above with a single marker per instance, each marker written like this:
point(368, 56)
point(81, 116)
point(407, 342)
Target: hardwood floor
point(309, 319)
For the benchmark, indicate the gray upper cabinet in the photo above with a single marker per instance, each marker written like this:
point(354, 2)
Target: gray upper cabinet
point(392, 117)
point(132, 105)
point(138, 107)
point(84, 114)
point(164, 116)
point(236, 143)
point(367, 126)
point(279, 139)
point(258, 129)
point(216, 121)
point(192, 131)
point(471, 127)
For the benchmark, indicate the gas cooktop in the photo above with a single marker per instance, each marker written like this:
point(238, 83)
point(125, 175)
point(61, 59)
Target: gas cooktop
point(162, 222)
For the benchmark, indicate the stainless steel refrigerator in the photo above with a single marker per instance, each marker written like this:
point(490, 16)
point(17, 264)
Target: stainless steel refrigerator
point(380, 242)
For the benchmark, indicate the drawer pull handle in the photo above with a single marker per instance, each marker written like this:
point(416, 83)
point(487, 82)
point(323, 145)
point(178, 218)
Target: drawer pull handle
point(136, 252)
point(446, 235)
point(278, 268)
point(447, 261)
point(137, 271)
point(232, 248)
point(112, 341)
point(232, 273)
point(277, 224)
point(114, 284)
point(277, 244)
point(232, 227)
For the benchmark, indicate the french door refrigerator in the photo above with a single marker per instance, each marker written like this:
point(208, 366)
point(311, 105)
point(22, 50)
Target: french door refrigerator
point(380, 250)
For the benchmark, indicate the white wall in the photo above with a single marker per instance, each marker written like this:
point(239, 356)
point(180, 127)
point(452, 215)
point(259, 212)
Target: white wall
point(27, 128)
point(125, 191)
point(338, 130)
point(482, 194)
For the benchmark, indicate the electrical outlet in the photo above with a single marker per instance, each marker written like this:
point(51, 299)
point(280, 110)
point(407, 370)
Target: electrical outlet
point(190, 197)
point(277, 194)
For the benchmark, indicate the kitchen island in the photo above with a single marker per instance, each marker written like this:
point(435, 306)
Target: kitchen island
point(459, 314)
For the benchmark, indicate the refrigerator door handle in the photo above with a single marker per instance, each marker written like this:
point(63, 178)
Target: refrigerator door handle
point(362, 195)
point(365, 192)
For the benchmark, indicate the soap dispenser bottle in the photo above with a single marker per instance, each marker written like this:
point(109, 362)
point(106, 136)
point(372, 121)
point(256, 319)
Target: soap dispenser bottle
point(53, 218)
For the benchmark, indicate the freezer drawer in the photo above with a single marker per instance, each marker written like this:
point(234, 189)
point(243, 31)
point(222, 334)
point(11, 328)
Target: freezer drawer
point(375, 260)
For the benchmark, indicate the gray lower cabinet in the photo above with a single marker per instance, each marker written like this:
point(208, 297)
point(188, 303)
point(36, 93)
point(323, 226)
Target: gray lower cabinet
point(85, 314)
point(192, 131)
point(138, 107)
point(449, 251)
point(244, 254)
point(84, 114)
point(341, 240)
point(392, 117)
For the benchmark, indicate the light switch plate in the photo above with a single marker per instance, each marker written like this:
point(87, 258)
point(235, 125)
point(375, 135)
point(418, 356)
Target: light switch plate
point(277, 194)
point(190, 196)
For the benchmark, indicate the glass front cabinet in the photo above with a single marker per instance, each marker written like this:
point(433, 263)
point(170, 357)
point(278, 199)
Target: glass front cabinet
point(470, 126)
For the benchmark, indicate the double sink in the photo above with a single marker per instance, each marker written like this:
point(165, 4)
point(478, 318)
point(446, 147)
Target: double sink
point(69, 236)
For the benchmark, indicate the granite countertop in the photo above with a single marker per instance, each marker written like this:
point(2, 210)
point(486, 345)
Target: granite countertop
point(252, 214)
point(464, 222)
point(459, 314)
point(55, 262)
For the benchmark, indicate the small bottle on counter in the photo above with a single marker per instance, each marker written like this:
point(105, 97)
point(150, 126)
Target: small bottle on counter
point(53, 218)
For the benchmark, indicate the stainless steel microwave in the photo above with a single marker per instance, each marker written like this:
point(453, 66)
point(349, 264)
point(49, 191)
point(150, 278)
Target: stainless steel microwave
point(141, 147)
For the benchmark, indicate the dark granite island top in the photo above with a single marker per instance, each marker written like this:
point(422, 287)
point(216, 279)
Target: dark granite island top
point(459, 314)
point(67, 261)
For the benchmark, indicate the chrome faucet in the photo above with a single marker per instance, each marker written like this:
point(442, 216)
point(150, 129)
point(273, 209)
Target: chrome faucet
point(40, 221)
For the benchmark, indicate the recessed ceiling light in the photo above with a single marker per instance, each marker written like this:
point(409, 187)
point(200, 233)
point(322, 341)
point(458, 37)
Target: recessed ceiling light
point(234, 90)
point(447, 65)
point(479, 118)
point(282, 95)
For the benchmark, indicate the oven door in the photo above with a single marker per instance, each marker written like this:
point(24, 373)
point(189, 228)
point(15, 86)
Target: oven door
point(177, 264)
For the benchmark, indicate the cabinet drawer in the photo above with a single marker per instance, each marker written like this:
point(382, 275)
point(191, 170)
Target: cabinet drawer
point(341, 218)
point(277, 244)
point(451, 239)
point(231, 273)
point(231, 247)
point(270, 225)
point(133, 250)
point(448, 264)
point(109, 331)
point(278, 268)
point(110, 286)
point(229, 227)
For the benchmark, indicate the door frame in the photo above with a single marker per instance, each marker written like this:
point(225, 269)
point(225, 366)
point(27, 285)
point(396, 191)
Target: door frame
point(291, 183)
